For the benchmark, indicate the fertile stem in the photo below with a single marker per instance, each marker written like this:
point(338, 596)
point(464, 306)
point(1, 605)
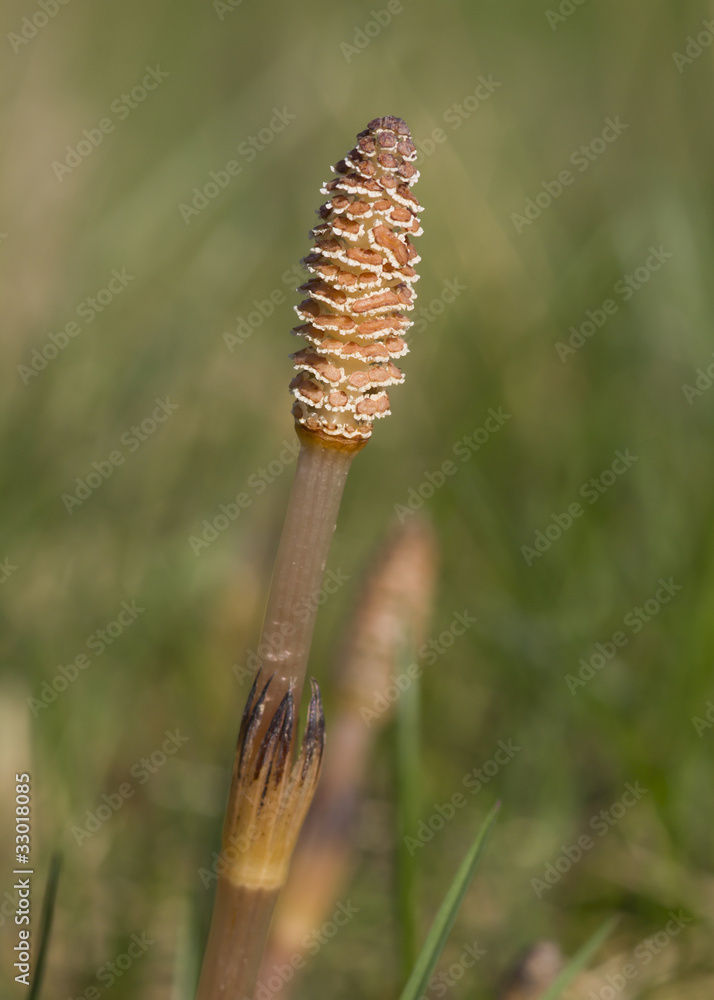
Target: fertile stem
point(353, 320)
point(295, 594)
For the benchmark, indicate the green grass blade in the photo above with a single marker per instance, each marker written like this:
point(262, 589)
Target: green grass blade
point(407, 796)
point(444, 920)
point(579, 960)
point(48, 909)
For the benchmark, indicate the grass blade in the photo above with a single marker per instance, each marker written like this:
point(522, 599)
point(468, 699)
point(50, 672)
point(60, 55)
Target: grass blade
point(444, 920)
point(407, 795)
point(579, 960)
point(48, 909)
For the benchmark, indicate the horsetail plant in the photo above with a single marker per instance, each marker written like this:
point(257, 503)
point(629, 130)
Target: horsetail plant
point(353, 322)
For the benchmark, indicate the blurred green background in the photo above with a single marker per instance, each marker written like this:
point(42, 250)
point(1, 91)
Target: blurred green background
point(69, 218)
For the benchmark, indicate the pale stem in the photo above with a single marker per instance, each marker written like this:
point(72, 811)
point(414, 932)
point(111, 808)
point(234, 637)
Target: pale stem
point(239, 926)
point(295, 590)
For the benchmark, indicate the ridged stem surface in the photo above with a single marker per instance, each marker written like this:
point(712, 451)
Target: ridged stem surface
point(239, 927)
point(295, 591)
